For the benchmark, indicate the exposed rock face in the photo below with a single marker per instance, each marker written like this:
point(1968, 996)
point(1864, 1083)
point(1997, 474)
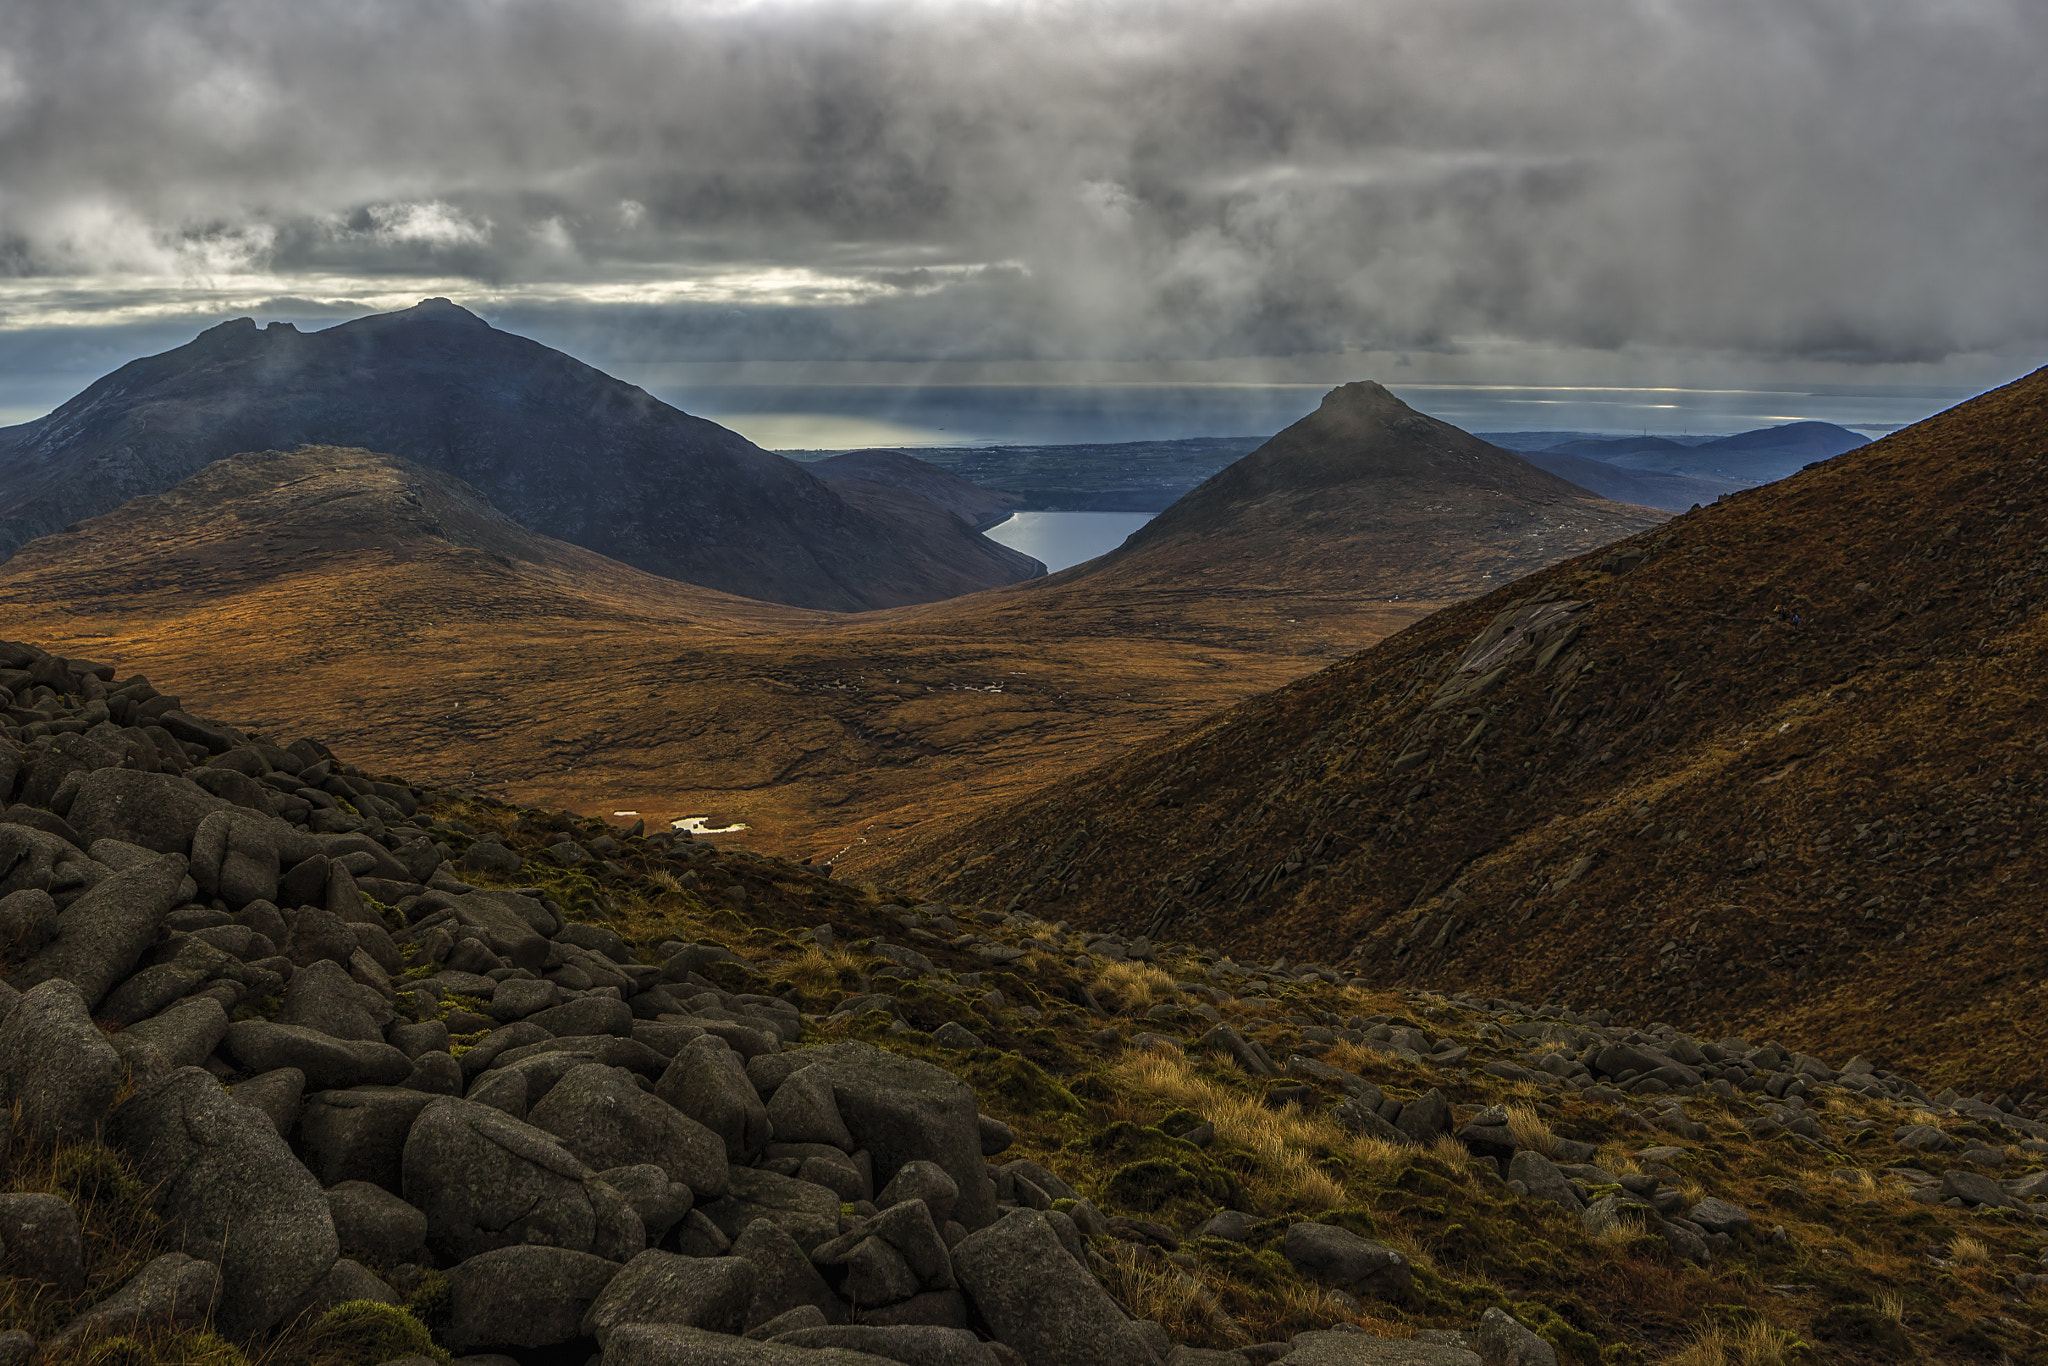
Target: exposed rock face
point(559, 447)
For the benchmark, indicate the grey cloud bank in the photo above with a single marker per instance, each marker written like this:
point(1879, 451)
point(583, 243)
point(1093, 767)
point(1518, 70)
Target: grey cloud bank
point(1840, 181)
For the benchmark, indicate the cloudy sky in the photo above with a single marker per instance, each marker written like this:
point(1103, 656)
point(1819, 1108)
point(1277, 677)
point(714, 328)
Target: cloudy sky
point(1526, 191)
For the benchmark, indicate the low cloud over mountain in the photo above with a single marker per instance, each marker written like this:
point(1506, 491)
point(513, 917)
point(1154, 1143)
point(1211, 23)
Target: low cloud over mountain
point(1818, 179)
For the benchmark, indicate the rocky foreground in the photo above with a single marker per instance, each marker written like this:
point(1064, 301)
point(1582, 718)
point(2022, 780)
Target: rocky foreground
point(309, 1066)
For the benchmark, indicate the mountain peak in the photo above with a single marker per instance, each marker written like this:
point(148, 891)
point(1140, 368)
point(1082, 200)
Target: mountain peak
point(437, 310)
point(1362, 398)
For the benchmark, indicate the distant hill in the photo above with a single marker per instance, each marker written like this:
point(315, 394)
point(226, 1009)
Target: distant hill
point(557, 446)
point(1775, 766)
point(978, 507)
point(1122, 476)
point(1649, 488)
point(1755, 457)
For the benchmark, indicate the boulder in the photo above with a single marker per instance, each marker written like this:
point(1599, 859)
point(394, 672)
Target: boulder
point(174, 1291)
point(485, 1181)
point(914, 1345)
point(40, 1240)
point(601, 1115)
point(660, 1344)
point(279, 1096)
point(1502, 1340)
point(194, 963)
point(316, 934)
point(103, 935)
point(808, 1213)
point(1716, 1215)
point(359, 1134)
point(322, 996)
point(234, 1194)
point(347, 1280)
point(660, 1202)
point(659, 1287)
point(508, 925)
point(1426, 1118)
point(926, 1181)
point(56, 1069)
point(235, 853)
point(1341, 1259)
point(159, 811)
point(1366, 1349)
point(707, 1082)
point(1974, 1188)
point(803, 1111)
point(591, 1015)
point(784, 1278)
point(183, 1036)
point(374, 1225)
point(524, 1296)
point(28, 919)
point(503, 1089)
point(435, 1073)
point(1038, 1300)
point(904, 1110)
point(908, 1228)
point(328, 1063)
point(1543, 1180)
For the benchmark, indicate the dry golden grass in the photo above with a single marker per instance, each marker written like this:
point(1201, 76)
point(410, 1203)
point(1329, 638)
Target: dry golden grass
point(1379, 1061)
point(1751, 1344)
point(1968, 1250)
point(1530, 1129)
point(1283, 1143)
point(1180, 1301)
point(1129, 988)
point(817, 971)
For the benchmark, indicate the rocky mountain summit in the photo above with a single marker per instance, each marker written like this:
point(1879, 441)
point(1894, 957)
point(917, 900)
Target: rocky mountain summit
point(304, 1065)
point(1776, 765)
point(561, 448)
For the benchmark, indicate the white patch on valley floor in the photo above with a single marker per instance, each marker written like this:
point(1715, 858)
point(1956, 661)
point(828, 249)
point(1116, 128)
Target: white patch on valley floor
point(701, 825)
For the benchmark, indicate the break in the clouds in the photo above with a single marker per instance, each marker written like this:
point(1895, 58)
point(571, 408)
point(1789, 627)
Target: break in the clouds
point(1851, 179)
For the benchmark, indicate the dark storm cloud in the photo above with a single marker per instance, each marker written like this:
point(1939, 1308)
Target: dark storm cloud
point(1855, 179)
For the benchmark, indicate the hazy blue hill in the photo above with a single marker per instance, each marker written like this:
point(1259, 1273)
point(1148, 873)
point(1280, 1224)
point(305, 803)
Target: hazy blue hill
point(1649, 488)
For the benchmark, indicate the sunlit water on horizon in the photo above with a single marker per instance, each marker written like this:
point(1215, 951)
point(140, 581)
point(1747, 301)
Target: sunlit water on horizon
point(844, 417)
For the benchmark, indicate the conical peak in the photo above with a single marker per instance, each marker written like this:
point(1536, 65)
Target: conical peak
point(1363, 397)
point(439, 310)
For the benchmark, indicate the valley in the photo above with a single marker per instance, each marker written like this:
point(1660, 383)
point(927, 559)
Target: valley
point(553, 675)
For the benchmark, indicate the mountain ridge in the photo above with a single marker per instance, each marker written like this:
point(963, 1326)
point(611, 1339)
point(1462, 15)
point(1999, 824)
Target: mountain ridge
point(557, 445)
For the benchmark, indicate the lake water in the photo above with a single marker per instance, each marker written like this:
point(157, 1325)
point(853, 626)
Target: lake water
point(1064, 539)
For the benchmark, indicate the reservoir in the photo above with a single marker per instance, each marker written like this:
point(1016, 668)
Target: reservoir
point(1062, 539)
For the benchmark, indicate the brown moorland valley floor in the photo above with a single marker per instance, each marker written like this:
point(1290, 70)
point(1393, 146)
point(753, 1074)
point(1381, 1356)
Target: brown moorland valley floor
point(570, 678)
point(429, 635)
point(1783, 772)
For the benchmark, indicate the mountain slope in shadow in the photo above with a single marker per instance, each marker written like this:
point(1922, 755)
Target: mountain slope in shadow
point(559, 447)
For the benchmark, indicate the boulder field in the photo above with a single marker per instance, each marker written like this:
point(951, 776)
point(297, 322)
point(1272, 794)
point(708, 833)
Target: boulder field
point(244, 969)
point(349, 1078)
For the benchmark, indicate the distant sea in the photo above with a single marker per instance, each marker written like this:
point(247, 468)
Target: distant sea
point(841, 417)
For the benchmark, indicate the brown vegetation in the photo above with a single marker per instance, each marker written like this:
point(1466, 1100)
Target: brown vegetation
point(425, 633)
point(1783, 773)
